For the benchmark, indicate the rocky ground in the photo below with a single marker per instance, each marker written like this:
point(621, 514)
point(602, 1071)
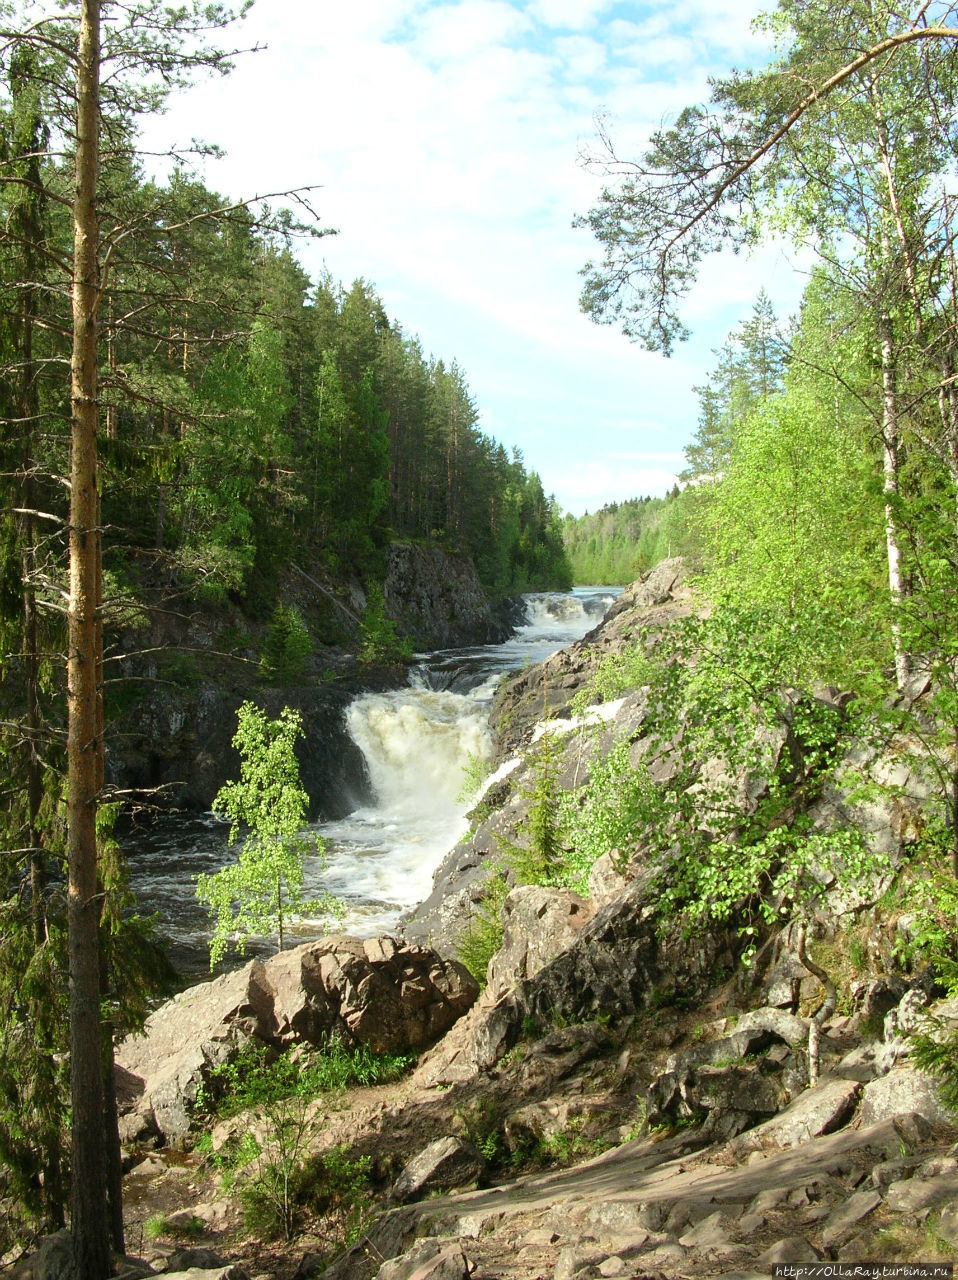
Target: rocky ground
point(616, 1102)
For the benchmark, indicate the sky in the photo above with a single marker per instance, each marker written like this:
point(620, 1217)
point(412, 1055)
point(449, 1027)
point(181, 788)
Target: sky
point(445, 137)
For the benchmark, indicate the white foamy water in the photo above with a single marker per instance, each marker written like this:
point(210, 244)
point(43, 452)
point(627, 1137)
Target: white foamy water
point(418, 744)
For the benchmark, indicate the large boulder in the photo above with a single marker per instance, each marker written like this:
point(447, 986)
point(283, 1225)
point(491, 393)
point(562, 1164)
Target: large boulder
point(619, 963)
point(538, 924)
point(393, 998)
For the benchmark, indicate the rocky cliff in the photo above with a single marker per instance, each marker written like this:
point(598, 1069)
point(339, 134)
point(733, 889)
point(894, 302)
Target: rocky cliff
point(185, 677)
point(437, 601)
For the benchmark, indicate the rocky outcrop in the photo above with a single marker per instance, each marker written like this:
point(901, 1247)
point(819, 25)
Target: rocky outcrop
point(545, 690)
point(650, 1208)
point(436, 599)
point(393, 998)
point(443, 1165)
point(538, 925)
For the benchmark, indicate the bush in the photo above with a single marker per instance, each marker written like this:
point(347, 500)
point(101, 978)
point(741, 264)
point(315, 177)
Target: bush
point(288, 647)
point(257, 1077)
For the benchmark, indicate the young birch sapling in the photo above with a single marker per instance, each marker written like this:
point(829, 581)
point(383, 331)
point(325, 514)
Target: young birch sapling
point(258, 893)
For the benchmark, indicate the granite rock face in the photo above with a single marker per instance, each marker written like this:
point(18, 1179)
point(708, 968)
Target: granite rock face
point(393, 998)
point(436, 599)
point(538, 924)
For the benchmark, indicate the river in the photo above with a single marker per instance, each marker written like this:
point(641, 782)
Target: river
point(418, 744)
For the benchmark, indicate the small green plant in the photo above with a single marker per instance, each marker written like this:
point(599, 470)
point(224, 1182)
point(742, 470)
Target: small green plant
point(474, 773)
point(155, 1226)
point(287, 1183)
point(480, 1122)
point(288, 647)
point(257, 894)
point(380, 643)
point(482, 936)
point(234, 1156)
point(257, 1076)
point(269, 1198)
point(159, 1226)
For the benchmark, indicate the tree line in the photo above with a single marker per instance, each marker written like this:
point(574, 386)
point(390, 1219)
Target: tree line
point(623, 540)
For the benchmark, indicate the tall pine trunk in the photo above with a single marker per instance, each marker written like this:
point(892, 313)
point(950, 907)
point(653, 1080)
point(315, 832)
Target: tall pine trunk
point(91, 1239)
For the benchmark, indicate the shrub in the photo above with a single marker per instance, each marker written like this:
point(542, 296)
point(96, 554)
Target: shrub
point(288, 647)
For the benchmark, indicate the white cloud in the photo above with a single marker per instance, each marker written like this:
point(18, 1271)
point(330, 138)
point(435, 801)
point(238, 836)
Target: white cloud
point(445, 136)
point(453, 33)
point(569, 15)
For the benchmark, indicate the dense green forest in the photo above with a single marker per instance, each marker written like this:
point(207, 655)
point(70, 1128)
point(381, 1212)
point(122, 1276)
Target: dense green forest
point(821, 498)
point(622, 540)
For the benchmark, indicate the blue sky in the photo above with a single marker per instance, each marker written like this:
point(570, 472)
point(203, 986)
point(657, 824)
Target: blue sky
point(446, 137)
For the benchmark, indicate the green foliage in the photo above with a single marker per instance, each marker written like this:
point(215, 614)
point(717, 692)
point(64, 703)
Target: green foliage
point(258, 1077)
point(288, 647)
point(474, 773)
point(287, 1183)
point(482, 937)
point(158, 1226)
point(935, 1049)
point(480, 1122)
point(257, 894)
point(623, 540)
point(724, 707)
point(537, 859)
point(380, 643)
point(611, 814)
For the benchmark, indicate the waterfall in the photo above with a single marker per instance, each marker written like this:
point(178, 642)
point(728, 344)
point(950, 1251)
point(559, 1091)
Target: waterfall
point(417, 744)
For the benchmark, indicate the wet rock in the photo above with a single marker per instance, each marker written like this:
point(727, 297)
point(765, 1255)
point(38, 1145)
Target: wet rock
point(902, 1090)
point(180, 740)
point(446, 1163)
point(547, 689)
point(375, 992)
point(538, 924)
